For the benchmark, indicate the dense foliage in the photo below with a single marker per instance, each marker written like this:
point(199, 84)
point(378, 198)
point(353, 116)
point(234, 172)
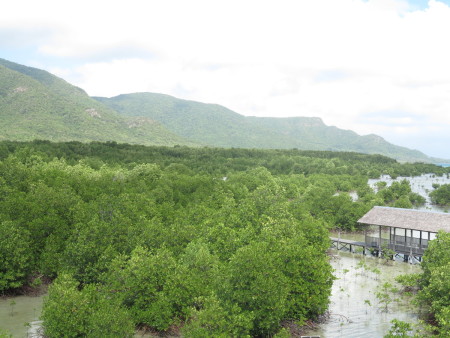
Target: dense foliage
point(399, 195)
point(15, 256)
point(71, 312)
point(227, 242)
point(441, 195)
point(432, 288)
point(222, 161)
point(433, 285)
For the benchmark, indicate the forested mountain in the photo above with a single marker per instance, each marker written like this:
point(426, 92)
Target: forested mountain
point(35, 104)
point(318, 136)
point(203, 123)
point(218, 126)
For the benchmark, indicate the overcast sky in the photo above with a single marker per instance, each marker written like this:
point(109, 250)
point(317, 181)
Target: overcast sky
point(372, 66)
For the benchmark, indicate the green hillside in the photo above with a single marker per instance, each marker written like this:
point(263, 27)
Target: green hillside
point(209, 124)
point(314, 134)
point(35, 104)
point(218, 126)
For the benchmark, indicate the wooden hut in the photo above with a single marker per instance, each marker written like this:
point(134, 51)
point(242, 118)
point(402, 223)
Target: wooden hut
point(405, 231)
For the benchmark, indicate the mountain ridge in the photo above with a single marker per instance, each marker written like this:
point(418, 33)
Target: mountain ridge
point(35, 104)
point(305, 133)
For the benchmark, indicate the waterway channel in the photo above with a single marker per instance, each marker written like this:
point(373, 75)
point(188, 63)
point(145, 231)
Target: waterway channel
point(19, 316)
point(355, 310)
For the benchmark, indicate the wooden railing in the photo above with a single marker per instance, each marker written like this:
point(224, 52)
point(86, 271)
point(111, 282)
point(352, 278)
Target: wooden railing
point(411, 245)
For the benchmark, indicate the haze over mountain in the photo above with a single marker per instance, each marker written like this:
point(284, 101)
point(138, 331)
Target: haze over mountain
point(35, 104)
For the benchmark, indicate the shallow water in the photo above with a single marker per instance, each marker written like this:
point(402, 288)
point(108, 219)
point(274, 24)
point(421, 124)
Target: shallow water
point(15, 317)
point(354, 307)
point(351, 314)
point(421, 185)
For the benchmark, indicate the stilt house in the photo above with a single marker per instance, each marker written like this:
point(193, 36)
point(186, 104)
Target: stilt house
point(405, 231)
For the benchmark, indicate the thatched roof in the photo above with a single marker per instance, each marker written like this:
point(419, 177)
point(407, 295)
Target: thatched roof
point(407, 219)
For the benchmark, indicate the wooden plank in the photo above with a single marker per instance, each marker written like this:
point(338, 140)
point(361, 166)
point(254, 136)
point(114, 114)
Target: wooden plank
point(347, 241)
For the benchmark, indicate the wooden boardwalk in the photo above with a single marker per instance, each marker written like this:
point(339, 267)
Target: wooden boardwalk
point(347, 244)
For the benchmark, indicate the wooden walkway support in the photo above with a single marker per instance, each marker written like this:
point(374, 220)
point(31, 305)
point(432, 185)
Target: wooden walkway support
point(347, 244)
point(403, 232)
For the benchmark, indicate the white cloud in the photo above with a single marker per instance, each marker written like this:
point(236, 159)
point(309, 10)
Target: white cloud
point(334, 59)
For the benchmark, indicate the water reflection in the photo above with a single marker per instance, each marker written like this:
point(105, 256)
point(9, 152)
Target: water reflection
point(354, 308)
point(19, 314)
point(421, 185)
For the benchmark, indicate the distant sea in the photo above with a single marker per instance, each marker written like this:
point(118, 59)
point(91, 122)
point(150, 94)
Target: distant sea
point(443, 164)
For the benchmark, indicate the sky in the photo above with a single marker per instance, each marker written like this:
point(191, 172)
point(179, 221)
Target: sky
point(372, 66)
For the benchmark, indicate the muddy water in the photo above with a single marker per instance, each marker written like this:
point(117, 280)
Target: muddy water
point(21, 320)
point(354, 308)
point(16, 318)
point(421, 185)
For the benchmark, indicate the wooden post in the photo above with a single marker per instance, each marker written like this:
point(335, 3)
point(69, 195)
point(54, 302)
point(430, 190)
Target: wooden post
point(365, 235)
point(420, 242)
point(339, 238)
point(410, 246)
point(379, 239)
point(406, 243)
point(395, 237)
point(390, 237)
